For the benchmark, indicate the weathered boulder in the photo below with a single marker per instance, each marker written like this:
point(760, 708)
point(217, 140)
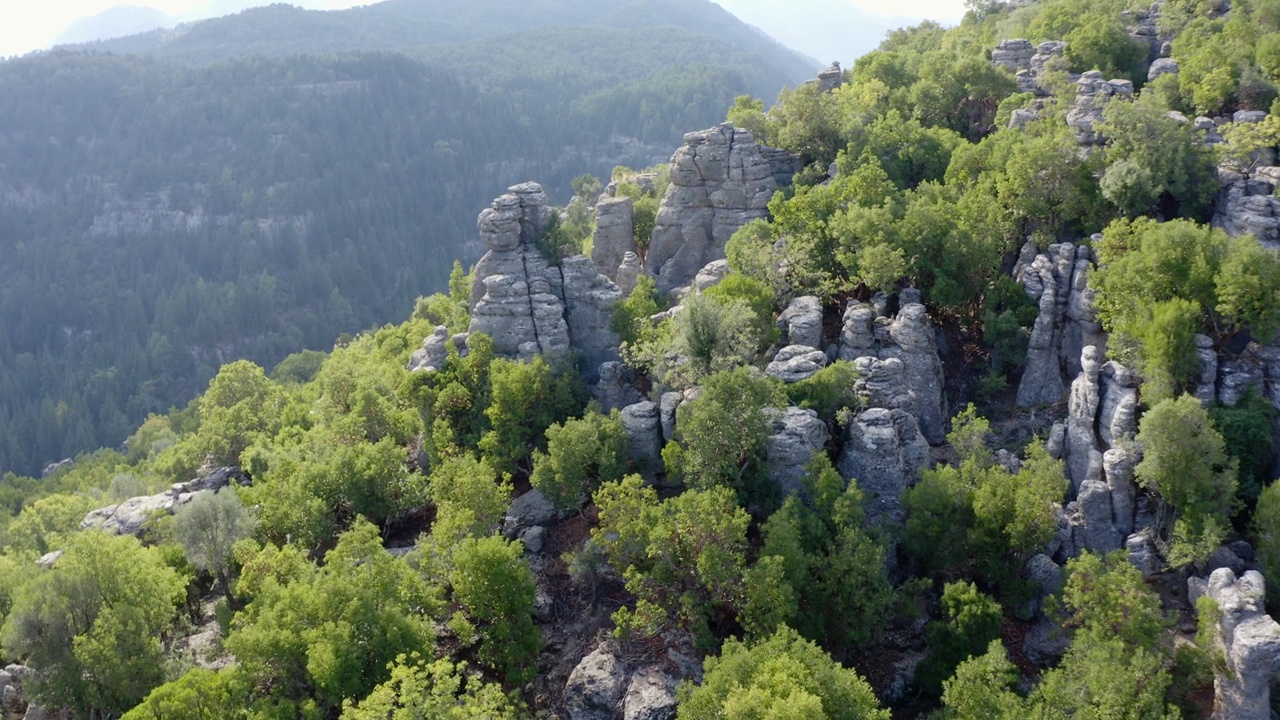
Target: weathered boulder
point(1250, 641)
point(1162, 66)
point(1093, 522)
point(433, 353)
point(1046, 577)
point(882, 383)
point(720, 181)
point(54, 468)
point(595, 687)
point(613, 388)
point(710, 275)
point(131, 516)
point(1092, 95)
point(796, 435)
point(801, 322)
point(884, 451)
point(588, 299)
point(1247, 204)
point(642, 422)
point(614, 235)
point(1046, 642)
point(529, 510)
point(651, 695)
point(629, 273)
point(1207, 383)
point(1144, 554)
point(796, 362)
point(1118, 408)
point(667, 405)
point(1013, 55)
point(1117, 466)
point(914, 344)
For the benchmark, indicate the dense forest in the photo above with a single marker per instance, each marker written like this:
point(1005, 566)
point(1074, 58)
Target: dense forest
point(160, 216)
point(976, 420)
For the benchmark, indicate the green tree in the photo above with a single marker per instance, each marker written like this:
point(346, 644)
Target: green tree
point(527, 398)
point(982, 688)
point(1266, 537)
point(495, 590)
point(318, 636)
point(207, 528)
point(722, 435)
point(438, 690)
point(43, 525)
point(581, 454)
point(200, 694)
point(973, 621)
point(784, 676)
point(1107, 597)
point(92, 625)
point(1184, 459)
point(682, 558)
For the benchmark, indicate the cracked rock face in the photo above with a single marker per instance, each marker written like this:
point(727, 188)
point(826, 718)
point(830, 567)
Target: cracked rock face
point(884, 451)
point(796, 362)
point(529, 306)
point(914, 382)
point(720, 181)
point(1057, 281)
point(131, 516)
point(595, 687)
point(614, 235)
point(801, 322)
point(1092, 94)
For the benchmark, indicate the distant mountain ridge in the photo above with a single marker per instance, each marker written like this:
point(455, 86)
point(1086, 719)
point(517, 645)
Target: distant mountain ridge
point(248, 186)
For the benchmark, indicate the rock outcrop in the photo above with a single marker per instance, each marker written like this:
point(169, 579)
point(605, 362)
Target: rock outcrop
point(643, 426)
point(529, 306)
point(1057, 281)
point(794, 363)
point(595, 687)
point(720, 181)
point(884, 451)
point(801, 322)
point(1247, 204)
point(797, 435)
point(435, 350)
point(1092, 95)
point(1250, 642)
point(614, 235)
point(130, 517)
point(909, 339)
point(1027, 62)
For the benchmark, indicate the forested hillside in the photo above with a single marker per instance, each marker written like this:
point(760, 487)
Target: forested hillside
point(241, 192)
point(944, 388)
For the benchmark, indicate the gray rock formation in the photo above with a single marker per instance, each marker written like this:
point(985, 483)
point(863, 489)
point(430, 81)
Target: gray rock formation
point(1118, 410)
point(1117, 466)
point(831, 78)
point(801, 322)
point(629, 273)
point(131, 516)
point(595, 687)
point(796, 435)
point(884, 451)
point(720, 181)
point(1207, 383)
point(1095, 530)
point(1162, 66)
point(614, 235)
point(1048, 580)
point(642, 422)
point(1057, 281)
point(667, 406)
point(1013, 55)
point(1046, 642)
point(530, 307)
point(54, 468)
point(1250, 640)
point(909, 339)
point(1083, 459)
point(614, 390)
point(1144, 554)
point(710, 275)
point(651, 695)
point(794, 363)
point(1092, 94)
point(435, 350)
point(1247, 204)
point(882, 383)
point(529, 510)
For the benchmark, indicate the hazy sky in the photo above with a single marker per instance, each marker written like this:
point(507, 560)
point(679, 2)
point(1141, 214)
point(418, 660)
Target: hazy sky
point(27, 25)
